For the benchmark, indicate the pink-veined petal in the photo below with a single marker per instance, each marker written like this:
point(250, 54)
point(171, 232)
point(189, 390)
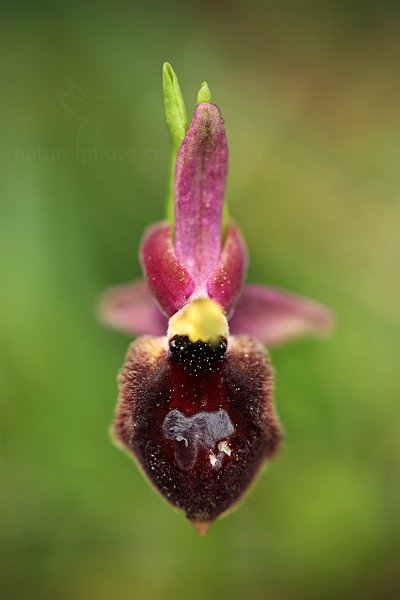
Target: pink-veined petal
point(130, 308)
point(169, 280)
point(200, 176)
point(225, 284)
point(274, 316)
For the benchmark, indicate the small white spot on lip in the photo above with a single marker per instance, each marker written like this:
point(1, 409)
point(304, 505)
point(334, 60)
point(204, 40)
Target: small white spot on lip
point(213, 459)
point(224, 447)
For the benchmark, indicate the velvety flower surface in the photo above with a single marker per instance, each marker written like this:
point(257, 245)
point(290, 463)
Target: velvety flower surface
point(202, 424)
point(196, 404)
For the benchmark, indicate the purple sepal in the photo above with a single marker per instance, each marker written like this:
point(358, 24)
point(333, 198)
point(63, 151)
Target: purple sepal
point(225, 284)
point(200, 176)
point(131, 308)
point(169, 280)
point(275, 317)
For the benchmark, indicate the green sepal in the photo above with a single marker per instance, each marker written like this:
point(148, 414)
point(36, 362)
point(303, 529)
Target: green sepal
point(177, 123)
point(174, 107)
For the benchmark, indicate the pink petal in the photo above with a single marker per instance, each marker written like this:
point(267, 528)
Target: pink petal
point(169, 280)
point(225, 284)
point(274, 316)
point(200, 176)
point(130, 308)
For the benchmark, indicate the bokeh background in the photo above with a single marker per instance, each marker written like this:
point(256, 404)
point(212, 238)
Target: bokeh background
point(309, 92)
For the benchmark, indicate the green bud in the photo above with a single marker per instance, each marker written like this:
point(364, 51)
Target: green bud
point(204, 94)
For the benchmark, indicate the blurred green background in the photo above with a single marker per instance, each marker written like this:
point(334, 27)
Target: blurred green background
point(309, 93)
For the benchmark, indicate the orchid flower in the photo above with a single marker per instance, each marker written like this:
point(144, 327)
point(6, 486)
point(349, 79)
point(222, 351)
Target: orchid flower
point(195, 403)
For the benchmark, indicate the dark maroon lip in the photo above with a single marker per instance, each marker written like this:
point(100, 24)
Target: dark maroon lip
point(200, 429)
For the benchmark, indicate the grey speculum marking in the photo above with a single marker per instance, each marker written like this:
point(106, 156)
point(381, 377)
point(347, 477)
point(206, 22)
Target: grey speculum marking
point(204, 429)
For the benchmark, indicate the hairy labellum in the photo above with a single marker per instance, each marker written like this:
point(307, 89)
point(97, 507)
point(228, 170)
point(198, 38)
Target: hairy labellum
point(200, 427)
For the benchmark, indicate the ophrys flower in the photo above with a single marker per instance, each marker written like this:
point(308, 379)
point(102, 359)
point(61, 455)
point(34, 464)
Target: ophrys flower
point(196, 391)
